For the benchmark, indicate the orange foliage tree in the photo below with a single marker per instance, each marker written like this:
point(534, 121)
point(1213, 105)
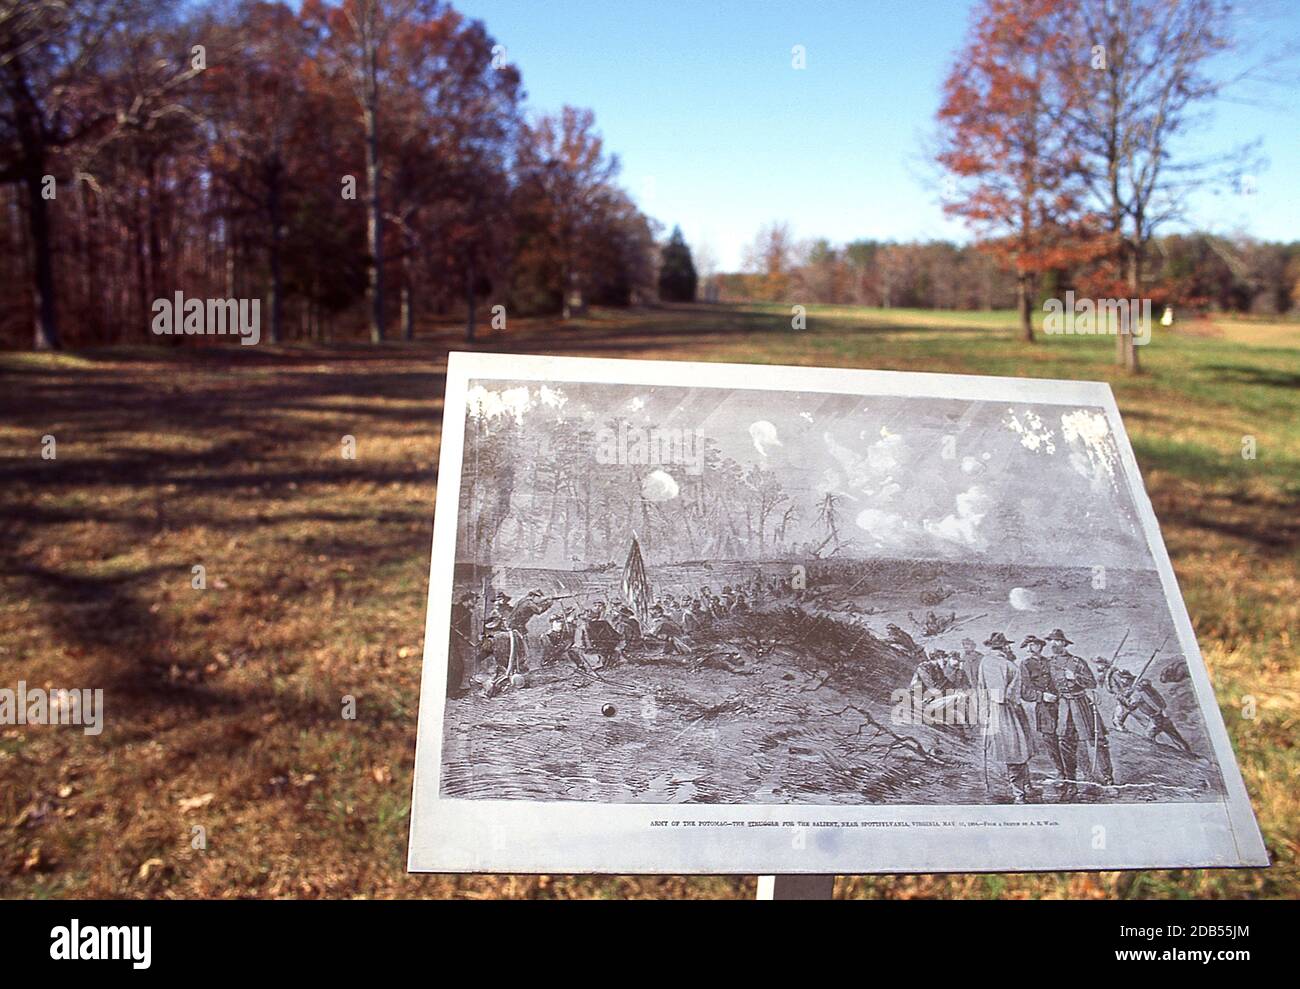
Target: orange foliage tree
point(1015, 177)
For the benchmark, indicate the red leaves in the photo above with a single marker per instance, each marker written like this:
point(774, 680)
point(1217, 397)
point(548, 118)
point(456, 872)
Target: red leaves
point(1003, 136)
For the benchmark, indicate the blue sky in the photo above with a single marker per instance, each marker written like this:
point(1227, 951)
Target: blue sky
point(717, 132)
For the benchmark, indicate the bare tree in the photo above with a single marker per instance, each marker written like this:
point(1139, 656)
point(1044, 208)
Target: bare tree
point(49, 50)
point(1137, 89)
point(828, 517)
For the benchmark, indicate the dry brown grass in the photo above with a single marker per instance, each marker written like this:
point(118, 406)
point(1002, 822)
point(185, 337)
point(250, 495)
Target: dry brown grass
point(316, 579)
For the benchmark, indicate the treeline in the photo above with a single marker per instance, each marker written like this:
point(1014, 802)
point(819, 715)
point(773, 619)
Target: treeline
point(542, 491)
point(542, 494)
point(355, 166)
point(925, 275)
point(1197, 271)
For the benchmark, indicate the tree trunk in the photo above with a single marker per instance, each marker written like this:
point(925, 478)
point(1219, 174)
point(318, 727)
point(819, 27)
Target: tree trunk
point(408, 298)
point(93, 298)
point(374, 215)
point(1127, 340)
point(228, 258)
point(1024, 298)
point(47, 330)
point(470, 312)
point(1121, 342)
point(155, 234)
point(277, 272)
point(28, 121)
point(143, 302)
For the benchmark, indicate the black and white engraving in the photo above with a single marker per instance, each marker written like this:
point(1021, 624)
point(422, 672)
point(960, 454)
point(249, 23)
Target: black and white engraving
point(690, 592)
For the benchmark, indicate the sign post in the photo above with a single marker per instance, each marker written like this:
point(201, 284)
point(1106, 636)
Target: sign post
point(796, 888)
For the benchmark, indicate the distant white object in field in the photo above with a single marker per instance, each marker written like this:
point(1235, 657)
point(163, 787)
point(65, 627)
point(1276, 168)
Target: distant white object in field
point(1023, 600)
point(1167, 317)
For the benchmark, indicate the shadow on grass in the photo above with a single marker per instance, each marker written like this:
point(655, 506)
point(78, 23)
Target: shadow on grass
point(1269, 525)
point(206, 439)
point(250, 419)
point(1240, 374)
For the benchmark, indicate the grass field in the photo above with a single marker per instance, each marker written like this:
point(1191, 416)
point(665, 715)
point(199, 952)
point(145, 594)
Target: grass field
point(223, 704)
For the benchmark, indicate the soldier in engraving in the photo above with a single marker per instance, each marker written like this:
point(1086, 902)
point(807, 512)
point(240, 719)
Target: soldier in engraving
point(931, 676)
point(1005, 726)
point(665, 630)
point(1140, 699)
point(970, 661)
point(954, 673)
point(557, 641)
point(534, 603)
point(463, 650)
point(629, 628)
point(596, 640)
point(1078, 717)
point(499, 654)
point(502, 608)
point(691, 615)
point(1037, 688)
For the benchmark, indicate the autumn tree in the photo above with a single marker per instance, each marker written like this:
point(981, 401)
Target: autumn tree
point(771, 256)
point(1016, 173)
point(823, 274)
point(326, 264)
point(55, 59)
point(897, 269)
point(356, 39)
point(623, 249)
point(455, 120)
point(259, 105)
point(563, 170)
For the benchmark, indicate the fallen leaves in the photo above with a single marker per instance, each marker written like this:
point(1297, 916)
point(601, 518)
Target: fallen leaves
point(188, 804)
point(37, 860)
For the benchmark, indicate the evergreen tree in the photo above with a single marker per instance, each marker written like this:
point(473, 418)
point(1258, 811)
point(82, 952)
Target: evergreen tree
point(677, 278)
